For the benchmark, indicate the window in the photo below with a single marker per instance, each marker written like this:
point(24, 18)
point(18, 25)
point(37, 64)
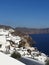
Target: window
point(0, 45)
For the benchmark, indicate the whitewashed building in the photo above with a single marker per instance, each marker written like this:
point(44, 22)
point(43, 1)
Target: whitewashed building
point(16, 39)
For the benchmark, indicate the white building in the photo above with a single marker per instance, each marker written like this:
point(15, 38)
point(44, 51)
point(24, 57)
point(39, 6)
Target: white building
point(6, 39)
point(16, 39)
point(11, 30)
point(39, 56)
point(2, 43)
point(4, 32)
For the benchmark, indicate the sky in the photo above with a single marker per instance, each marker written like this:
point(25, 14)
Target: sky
point(25, 13)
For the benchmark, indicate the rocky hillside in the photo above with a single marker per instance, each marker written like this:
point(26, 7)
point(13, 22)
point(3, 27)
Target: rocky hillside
point(5, 27)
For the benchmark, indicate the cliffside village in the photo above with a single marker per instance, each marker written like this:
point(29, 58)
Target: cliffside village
point(10, 43)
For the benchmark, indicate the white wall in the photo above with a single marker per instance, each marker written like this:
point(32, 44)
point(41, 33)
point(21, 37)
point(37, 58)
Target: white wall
point(2, 39)
point(6, 60)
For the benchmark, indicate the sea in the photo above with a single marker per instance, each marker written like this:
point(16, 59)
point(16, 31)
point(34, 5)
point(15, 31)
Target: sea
point(41, 42)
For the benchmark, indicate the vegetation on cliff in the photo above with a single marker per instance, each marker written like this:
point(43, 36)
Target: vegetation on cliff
point(47, 62)
point(16, 55)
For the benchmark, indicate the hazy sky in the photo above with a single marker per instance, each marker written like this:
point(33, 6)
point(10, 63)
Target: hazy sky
point(25, 13)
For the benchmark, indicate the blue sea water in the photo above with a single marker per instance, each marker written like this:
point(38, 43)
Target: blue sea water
point(42, 42)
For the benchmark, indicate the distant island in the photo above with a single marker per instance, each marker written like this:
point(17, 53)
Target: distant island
point(26, 30)
point(33, 30)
